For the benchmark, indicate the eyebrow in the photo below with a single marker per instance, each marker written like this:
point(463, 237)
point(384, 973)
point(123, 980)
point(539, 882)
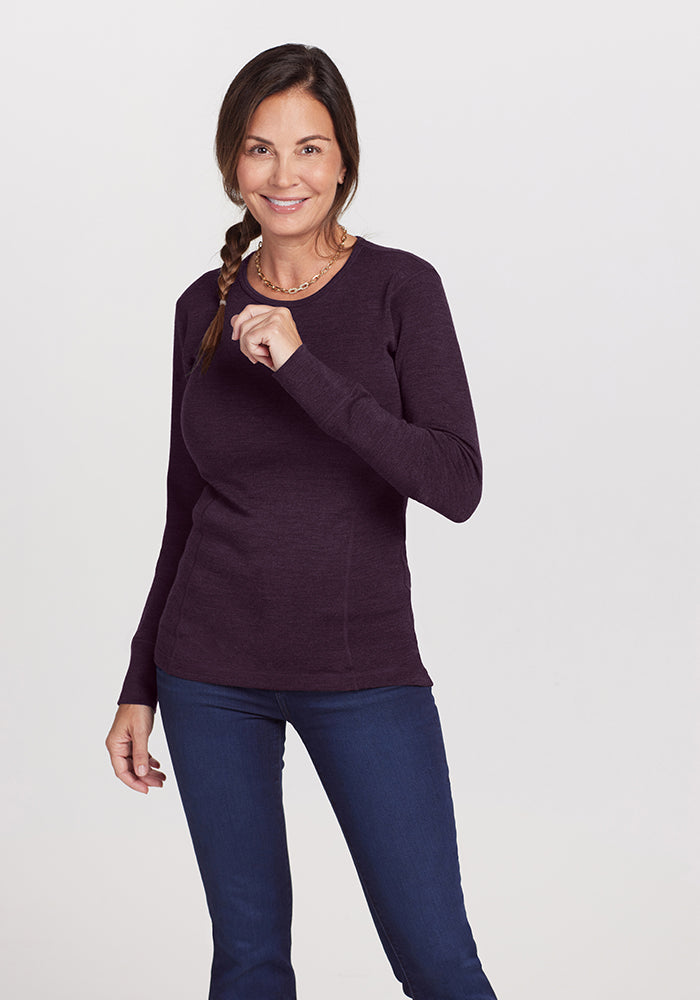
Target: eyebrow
point(307, 138)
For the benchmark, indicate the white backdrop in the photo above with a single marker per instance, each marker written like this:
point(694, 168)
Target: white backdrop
point(544, 157)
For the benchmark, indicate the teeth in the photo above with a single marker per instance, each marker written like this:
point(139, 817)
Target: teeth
point(276, 201)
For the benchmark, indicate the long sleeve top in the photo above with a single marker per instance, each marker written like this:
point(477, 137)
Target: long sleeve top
point(283, 560)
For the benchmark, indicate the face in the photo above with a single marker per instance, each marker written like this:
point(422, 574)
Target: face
point(291, 165)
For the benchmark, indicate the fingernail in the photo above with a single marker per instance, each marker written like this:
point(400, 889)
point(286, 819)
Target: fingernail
point(142, 769)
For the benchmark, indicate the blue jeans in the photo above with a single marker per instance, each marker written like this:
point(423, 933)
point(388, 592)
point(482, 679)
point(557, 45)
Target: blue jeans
point(380, 756)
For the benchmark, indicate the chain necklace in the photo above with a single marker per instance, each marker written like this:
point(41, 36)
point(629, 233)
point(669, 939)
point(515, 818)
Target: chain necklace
point(305, 284)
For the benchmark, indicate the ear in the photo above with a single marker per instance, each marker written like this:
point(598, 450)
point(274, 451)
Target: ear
point(341, 178)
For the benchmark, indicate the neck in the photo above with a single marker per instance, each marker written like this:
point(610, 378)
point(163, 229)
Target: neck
point(290, 261)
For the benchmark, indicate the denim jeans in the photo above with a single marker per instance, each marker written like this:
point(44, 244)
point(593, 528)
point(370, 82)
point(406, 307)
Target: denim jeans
point(380, 756)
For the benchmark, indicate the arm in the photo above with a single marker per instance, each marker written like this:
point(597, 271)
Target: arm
point(431, 454)
point(184, 486)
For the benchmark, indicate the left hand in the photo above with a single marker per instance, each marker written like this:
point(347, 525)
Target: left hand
point(266, 333)
point(127, 742)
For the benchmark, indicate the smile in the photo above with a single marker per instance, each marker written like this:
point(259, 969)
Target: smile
point(284, 204)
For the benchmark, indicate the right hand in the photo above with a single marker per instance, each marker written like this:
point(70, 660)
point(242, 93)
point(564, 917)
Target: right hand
point(266, 333)
point(127, 743)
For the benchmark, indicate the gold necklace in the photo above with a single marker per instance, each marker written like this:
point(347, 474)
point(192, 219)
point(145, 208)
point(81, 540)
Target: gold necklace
point(305, 284)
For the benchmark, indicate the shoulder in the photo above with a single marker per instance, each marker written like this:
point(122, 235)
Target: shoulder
point(397, 265)
point(195, 308)
point(201, 295)
point(408, 285)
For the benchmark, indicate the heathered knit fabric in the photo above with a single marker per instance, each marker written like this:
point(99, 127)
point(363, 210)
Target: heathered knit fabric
point(283, 560)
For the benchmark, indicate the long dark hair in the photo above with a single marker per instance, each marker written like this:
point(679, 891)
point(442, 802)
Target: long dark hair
point(272, 72)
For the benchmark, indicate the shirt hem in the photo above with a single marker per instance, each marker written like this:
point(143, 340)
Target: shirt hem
point(414, 674)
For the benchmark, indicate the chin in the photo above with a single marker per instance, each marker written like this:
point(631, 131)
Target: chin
point(289, 227)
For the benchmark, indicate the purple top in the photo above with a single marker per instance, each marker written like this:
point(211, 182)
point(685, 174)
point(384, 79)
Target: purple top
point(283, 561)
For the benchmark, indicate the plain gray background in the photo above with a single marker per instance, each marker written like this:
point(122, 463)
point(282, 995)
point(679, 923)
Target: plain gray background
point(544, 157)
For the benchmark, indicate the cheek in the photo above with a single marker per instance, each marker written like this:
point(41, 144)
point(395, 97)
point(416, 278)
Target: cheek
point(325, 177)
point(248, 174)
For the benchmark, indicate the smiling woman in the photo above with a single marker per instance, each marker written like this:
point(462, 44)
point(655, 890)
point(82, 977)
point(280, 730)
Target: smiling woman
point(282, 592)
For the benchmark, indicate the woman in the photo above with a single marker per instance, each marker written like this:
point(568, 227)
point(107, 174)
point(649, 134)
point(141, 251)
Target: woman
point(317, 384)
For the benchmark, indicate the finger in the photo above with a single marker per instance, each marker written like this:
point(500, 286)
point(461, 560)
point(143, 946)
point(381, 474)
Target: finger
point(251, 339)
point(139, 750)
point(151, 759)
point(250, 323)
point(122, 769)
point(249, 312)
point(155, 771)
point(154, 777)
point(255, 314)
point(256, 309)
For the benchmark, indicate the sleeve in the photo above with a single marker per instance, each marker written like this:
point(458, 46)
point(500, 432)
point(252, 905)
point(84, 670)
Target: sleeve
point(432, 453)
point(183, 488)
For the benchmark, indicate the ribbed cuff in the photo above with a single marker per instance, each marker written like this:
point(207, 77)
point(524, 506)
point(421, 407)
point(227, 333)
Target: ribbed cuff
point(139, 687)
point(315, 386)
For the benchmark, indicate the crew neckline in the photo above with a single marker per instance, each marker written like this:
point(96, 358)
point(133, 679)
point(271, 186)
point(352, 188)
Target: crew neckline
point(242, 279)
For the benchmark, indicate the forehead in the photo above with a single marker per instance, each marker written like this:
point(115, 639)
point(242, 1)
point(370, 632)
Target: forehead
point(294, 112)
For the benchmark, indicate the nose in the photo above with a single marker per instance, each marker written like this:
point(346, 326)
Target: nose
point(283, 174)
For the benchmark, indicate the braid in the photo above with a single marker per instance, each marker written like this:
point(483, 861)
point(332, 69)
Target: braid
point(238, 238)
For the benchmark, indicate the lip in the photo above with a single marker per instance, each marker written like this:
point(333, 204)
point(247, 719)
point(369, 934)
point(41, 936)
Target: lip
point(294, 204)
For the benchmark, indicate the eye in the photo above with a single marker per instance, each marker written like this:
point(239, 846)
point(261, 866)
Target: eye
point(258, 150)
point(312, 149)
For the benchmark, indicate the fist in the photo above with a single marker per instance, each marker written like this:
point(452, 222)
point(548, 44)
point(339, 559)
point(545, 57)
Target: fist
point(266, 333)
